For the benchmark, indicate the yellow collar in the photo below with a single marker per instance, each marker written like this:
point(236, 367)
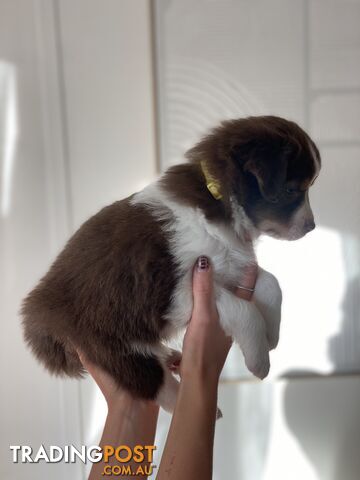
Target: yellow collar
point(211, 183)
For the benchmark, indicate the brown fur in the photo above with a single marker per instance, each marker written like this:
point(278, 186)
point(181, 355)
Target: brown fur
point(253, 159)
point(185, 183)
point(112, 283)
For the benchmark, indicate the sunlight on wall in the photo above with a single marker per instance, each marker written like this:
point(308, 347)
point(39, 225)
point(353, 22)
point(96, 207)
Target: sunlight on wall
point(312, 275)
point(285, 458)
point(9, 131)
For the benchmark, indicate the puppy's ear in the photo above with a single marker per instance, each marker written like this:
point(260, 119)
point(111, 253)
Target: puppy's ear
point(269, 169)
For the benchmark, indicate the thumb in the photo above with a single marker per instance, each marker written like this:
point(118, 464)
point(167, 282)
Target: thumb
point(203, 290)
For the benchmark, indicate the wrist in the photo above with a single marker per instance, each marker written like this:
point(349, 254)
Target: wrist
point(200, 394)
point(126, 405)
point(204, 379)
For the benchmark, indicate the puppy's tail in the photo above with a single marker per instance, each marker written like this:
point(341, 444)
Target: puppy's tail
point(55, 356)
point(53, 351)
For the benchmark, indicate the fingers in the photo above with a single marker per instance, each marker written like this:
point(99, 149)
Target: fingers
point(248, 281)
point(203, 289)
point(248, 275)
point(83, 358)
point(87, 364)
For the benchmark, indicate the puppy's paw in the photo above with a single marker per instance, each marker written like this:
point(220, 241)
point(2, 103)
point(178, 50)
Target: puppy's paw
point(173, 360)
point(259, 366)
point(273, 339)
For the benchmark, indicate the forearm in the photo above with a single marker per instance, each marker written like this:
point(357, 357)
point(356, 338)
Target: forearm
point(129, 422)
point(188, 451)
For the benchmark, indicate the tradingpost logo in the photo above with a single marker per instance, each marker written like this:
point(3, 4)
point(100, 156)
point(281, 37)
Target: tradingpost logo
point(118, 460)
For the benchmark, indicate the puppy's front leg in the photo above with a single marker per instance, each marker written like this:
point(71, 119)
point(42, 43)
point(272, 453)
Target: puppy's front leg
point(268, 297)
point(243, 321)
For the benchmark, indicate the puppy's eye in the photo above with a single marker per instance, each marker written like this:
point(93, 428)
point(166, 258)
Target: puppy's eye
point(291, 191)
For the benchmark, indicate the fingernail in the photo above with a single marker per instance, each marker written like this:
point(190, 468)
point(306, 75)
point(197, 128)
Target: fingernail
point(202, 264)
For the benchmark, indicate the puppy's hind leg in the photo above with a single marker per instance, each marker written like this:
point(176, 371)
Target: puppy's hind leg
point(140, 372)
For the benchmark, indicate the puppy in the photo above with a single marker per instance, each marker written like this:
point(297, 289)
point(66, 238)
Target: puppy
point(122, 286)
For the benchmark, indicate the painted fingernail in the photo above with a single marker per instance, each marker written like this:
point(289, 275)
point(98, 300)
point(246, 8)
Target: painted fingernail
point(202, 264)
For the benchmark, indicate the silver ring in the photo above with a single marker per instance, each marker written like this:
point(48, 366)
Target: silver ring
point(246, 288)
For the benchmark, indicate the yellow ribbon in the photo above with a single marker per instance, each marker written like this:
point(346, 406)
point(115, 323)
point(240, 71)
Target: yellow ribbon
point(211, 183)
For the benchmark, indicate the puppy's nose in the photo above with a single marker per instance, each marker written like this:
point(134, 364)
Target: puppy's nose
point(309, 225)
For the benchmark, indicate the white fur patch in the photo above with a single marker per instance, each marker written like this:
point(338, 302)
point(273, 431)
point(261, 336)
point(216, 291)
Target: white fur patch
point(191, 235)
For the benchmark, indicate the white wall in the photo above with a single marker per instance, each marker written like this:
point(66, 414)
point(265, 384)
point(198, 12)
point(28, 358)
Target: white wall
point(108, 91)
point(33, 226)
point(76, 133)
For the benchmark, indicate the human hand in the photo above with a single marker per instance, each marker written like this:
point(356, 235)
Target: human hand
point(116, 397)
point(129, 421)
point(104, 381)
point(206, 345)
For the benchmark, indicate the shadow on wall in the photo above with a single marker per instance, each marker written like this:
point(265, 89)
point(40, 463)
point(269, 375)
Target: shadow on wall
point(329, 432)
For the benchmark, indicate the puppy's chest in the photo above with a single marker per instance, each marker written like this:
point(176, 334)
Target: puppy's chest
point(190, 234)
point(228, 265)
point(194, 236)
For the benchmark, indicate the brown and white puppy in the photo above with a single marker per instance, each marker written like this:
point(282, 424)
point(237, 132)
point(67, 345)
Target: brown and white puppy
point(121, 288)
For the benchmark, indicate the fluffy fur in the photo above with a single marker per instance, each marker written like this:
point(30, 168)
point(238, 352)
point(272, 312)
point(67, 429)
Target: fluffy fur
point(122, 285)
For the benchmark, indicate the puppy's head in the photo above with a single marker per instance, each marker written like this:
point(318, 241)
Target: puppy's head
point(267, 164)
